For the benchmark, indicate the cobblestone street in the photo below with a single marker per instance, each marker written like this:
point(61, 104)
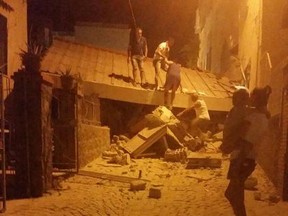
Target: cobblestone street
point(182, 194)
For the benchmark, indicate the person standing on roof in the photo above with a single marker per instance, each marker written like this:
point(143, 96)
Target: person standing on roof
point(161, 54)
point(173, 81)
point(137, 53)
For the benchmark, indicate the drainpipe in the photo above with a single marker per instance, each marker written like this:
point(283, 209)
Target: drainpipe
point(260, 14)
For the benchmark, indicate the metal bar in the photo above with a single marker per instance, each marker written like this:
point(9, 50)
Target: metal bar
point(3, 152)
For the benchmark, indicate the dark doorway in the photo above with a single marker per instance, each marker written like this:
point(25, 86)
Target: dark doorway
point(3, 44)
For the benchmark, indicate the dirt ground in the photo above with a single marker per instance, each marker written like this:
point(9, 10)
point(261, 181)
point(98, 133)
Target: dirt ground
point(197, 192)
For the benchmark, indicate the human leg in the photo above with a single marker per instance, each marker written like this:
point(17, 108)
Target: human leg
point(134, 68)
point(239, 170)
point(235, 195)
point(142, 72)
point(157, 65)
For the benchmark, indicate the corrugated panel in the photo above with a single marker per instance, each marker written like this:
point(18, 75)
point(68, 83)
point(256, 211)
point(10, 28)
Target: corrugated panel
point(111, 68)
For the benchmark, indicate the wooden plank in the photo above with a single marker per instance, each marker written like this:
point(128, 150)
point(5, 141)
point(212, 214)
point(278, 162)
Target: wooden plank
point(185, 79)
point(197, 81)
point(211, 81)
point(110, 177)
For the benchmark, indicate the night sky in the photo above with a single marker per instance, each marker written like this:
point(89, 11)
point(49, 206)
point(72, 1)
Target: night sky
point(158, 18)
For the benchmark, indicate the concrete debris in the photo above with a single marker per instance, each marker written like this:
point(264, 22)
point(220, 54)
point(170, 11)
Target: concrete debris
point(218, 136)
point(162, 134)
point(203, 160)
point(155, 192)
point(200, 179)
point(137, 185)
point(251, 183)
point(115, 154)
point(178, 155)
point(274, 198)
point(124, 138)
point(271, 198)
point(258, 196)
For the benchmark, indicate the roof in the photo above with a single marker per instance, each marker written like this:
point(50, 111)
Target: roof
point(106, 73)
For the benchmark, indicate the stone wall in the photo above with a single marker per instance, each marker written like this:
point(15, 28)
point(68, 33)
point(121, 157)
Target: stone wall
point(92, 141)
point(30, 111)
point(218, 34)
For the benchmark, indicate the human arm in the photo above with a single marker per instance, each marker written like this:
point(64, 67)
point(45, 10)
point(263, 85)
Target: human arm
point(129, 53)
point(160, 51)
point(184, 112)
point(146, 50)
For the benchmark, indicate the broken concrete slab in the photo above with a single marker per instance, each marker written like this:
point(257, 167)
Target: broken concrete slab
point(144, 139)
point(137, 185)
point(110, 177)
point(197, 160)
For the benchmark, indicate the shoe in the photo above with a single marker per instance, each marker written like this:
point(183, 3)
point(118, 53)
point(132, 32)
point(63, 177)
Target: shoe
point(144, 85)
point(134, 84)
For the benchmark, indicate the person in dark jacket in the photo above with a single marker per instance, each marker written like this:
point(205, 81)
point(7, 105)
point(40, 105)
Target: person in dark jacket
point(137, 53)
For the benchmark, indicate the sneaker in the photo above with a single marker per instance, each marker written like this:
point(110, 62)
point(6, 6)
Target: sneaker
point(158, 88)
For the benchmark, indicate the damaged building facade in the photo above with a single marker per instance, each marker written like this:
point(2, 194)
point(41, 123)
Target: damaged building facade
point(257, 31)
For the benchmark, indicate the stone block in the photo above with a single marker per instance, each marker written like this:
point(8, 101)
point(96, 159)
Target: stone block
point(155, 192)
point(203, 160)
point(137, 185)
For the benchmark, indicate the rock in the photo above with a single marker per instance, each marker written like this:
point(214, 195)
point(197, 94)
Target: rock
point(115, 138)
point(124, 138)
point(258, 196)
point(125, 159)
point(155, 192)
point(137, 185)
point(274, 198)
point(251, 183)
point(109, 154)
point(218, 136)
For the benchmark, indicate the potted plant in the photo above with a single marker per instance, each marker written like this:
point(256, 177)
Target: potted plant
point(32, 57)
point(67, 79)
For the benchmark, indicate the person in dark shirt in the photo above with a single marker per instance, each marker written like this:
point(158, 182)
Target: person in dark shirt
point(137, 53)
point(173, 81)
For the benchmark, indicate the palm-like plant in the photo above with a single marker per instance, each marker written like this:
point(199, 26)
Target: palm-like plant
point(6, 6)
point(31, 59)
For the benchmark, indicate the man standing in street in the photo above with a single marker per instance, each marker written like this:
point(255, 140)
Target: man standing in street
point(160, 56)
point(137, 52)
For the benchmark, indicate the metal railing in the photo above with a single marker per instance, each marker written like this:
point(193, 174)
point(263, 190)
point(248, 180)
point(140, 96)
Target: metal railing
point(4, 91)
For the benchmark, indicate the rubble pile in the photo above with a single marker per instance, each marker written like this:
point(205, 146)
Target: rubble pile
point(178, 155)
point(116, 153)
point(162, 134)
